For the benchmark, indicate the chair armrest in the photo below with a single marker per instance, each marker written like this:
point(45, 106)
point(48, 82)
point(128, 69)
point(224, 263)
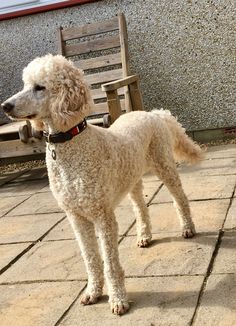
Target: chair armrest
point(112, 86)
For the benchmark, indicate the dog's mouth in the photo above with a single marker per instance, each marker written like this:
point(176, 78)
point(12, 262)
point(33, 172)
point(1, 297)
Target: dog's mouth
point(27, 117)
point(30, 117)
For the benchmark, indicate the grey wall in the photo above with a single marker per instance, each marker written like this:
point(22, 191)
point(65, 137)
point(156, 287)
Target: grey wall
point(184, 51)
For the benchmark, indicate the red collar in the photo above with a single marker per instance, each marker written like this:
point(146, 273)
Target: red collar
point(62, 137)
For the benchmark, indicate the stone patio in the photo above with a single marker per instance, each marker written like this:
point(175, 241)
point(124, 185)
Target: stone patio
point(175, 281)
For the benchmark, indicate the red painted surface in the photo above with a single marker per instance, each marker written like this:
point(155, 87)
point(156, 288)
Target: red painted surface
point(36, 10)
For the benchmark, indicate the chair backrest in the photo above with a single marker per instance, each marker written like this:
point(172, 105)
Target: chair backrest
point(101, 50)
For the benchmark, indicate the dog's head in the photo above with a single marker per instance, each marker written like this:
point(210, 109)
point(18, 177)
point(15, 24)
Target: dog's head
point(53, 89)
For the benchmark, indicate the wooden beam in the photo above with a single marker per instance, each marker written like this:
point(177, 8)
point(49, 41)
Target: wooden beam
point(15, 148)
point(95, 45)
point(90, 29)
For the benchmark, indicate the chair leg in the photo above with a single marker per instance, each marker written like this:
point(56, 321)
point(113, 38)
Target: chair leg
point(136, 97)
point(113, 103)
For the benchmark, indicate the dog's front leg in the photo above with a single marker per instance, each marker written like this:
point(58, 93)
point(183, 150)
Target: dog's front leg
point(107, 229)
point(85, 234)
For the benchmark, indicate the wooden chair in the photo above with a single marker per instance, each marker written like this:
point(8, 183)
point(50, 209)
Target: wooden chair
point(101, 50)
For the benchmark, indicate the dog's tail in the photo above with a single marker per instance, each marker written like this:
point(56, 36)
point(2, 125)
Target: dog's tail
point(184, 148)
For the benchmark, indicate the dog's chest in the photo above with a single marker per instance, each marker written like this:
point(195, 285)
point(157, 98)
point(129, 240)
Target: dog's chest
point(72, 185)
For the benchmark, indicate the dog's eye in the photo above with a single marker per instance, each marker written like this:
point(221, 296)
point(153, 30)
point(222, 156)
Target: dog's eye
point(38, 88)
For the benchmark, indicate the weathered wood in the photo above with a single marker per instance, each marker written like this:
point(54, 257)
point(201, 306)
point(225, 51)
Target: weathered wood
point(24, 133)
point(135, 96)
point(107, 120)
point(103, 77)
point(124, 56)
point(61, 42)
point(12, 127)
point(111, 86)
point(14, 148)
point(91, 46)
point(96, 121)
point(100, 108)
point(99, 62)
point(114, 105)
point(115, 81)
point(90, 29)
point(124, 44)
point(98, 94)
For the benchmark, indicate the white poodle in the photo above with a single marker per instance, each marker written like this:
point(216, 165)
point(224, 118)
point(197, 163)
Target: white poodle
point(91, 169)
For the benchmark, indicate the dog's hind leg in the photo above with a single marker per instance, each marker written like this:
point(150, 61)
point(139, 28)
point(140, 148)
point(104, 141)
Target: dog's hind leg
point(143, 225)
point(166, 170)
point(107, 229)
point(85, 234)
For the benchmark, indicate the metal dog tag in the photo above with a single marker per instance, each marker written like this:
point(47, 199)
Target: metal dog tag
point(54, 156)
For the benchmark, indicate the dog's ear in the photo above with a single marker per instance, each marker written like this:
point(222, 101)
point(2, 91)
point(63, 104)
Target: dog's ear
point(71, 102)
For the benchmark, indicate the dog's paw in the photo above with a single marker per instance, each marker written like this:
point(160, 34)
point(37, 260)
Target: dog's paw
point(188, 232)
point(144, 240)
point(119, 307)
point(87, 299)
point(143, 243)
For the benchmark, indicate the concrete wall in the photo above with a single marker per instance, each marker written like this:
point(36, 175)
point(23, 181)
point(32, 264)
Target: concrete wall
point(184, 51)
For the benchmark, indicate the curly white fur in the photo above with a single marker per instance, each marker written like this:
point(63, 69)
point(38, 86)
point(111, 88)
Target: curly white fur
point(96, 169)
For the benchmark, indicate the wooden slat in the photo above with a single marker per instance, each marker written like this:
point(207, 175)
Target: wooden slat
point(15, 148)
point(111, 86)
point(90, 29)
point(99, 62)
point(103, 77)
point(95, 45)
point(12, 127)
point(103, 108)
point(98, 94)
point(96, 121)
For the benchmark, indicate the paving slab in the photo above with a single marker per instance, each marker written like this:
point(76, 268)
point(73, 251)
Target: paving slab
point(218, 304)
point(33, 174)
point(8, 177)
point(36, 304)
point(26, 227)
point(45, 189)
point(207, 215)
point(56, 260)
point(198, 188)
point(221, 151)
point(63, 231)
point(9, 252)
point(226, 166)
point(8, 203)
point(124, 213)
point(231, 217)
point(150, 187)
point(226, 258)
point(169, 254)
point(124, 217)
point(22, 188)
point(39, 203)
point(154, 301)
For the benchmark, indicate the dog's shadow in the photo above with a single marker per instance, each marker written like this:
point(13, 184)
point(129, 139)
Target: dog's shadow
point(203, 238)
point(174, 299)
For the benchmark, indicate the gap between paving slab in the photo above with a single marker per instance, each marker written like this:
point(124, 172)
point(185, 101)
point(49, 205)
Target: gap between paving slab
point(13, 261)
point(33, 304)
point(154, 301)
point(211, 264)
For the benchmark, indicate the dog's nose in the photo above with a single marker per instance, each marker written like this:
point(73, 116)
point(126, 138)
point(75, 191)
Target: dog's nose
point(7, 107)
